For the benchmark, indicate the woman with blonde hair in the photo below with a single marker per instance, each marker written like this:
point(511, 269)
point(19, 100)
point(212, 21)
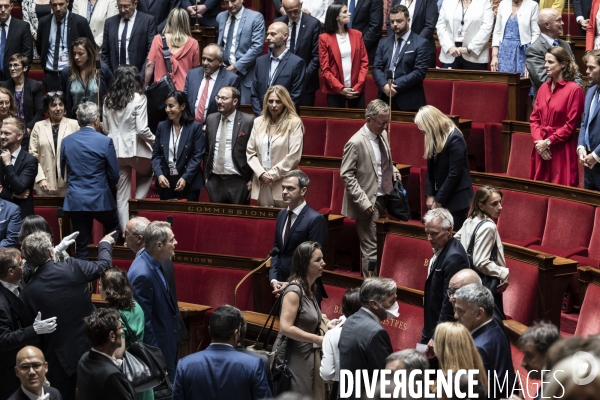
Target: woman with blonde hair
point(8, 106)
point(275, 146)
point(184, 49)
point(448, 177)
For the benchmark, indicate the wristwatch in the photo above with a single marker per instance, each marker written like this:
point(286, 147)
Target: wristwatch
point(548, 142)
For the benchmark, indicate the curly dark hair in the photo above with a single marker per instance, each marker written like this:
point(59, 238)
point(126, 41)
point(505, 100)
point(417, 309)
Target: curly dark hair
point(126, 82)
point(115, 284)
point(300, 262)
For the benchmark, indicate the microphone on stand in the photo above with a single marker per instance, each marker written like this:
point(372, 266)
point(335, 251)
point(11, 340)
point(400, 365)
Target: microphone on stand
point(273, 253)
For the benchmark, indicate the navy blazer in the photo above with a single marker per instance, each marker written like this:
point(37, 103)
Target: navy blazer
point(194, 79)
point(65, 83)
point(422, 22)
point(98, 378)
point(368, 18)
point(409, 73)
point(18, 40)
point(209, 18)
point(158, 8)
point(33, 99)
point(221, 372)
point(19, 395)
point(437, 307)
point(142, 34)
point(448, 176)
point(158, 305)
point(18, 178)
point(89, 161)
point(307, 48)
point(594, 131)
point(10, 224)
point(190, 152)
point(289, 74)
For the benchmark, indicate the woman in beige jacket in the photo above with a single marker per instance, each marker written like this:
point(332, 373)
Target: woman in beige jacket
point(275, 146)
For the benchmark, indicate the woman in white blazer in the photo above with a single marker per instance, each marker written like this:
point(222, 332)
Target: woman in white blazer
point(96, 12)
point(126, 122)
point(464, 28)
point(45, 142)
point(515, 29)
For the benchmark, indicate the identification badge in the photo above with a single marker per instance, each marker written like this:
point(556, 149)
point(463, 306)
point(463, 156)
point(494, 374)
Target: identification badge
point(173, 170)
point(460, 35)
point(64, 58)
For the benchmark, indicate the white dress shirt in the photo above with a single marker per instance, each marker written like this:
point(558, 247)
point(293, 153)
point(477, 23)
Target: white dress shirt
point(275, 61)
point(234, 44)
point(211, 85)
point(375, 144)
point(129, 29)
point(317, 8)
point(63, 53)
point(290, 26)
point(228, 167)
point(11, 287)
point(32, 396)
point(346, 56)
point(295, 212)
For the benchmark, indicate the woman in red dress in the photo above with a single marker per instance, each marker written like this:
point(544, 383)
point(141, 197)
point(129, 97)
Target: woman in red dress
point(556, 115)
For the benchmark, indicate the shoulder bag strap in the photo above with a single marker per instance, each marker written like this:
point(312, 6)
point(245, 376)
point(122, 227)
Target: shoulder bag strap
point(494, 255)
point(166, 54)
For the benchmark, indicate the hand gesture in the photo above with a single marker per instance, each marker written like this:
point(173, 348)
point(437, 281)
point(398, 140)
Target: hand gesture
point(42, 327)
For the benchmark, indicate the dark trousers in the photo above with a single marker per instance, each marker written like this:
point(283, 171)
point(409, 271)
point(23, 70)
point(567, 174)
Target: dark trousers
point(52, 83)
point(83, 221)
point(308, 99)
point(171, 194)
point(339, 101)
point(459, 218)
point(395, 106)
point(461, 63)
point(228, 189)
point(591, 177)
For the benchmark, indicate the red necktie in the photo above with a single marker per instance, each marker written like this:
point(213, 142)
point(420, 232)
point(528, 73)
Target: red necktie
point(203, 101)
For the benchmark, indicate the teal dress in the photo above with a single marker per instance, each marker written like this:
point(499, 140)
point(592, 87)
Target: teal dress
point(135, 320)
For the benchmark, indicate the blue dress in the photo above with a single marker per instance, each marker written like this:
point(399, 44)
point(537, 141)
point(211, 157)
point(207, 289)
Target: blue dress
point(511, 54)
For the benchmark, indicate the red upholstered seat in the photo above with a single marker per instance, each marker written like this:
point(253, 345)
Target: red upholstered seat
point(519, 207)
point(337, 197)
point(593, 258)
point(16, 13)
point(339, 131)
point(371, 89)
point(568, 228)
point(439, 94)
point(348, 247)
point(405, 260)
point(314, 136)
point(492, 138)
point(521, 146)
point(50, 214)
point(405, 331)
point(204, 197)
point(122, 264)
point(321, 187)
point(332, 306)
point(589, 321)
point(185, 227)
point(532, 385)
point(521, 290)
point(320, 97)
point(438, 63)
point(36, 75)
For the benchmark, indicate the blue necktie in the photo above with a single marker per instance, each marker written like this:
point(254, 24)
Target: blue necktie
point(394, 60)
point(555, 43)
point(351, 11)
point(586, 137)
point(123, 46)
point(229, 39)
point(2, 46)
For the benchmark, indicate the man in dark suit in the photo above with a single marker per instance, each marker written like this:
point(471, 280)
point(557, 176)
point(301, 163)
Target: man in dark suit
point(10, 224)
point(99, 375)
point(406, 54)
point(233, 374)
point(15, 37)
point(160, 9)
point(151, 291)
point(449, 257)
point(31, 369)
point(56, 32)
point(18, 168)
point(367, 17)
point(203, 83)
point(265, 360)
point(365, 344)
point(14, 333)
point(227, 173)
point(141, 30)
point(206, 11)
point(89, 160)
point(295, 225)
point(134, 239)
point(66, 284)
point(474, 308)
point(303, 41)
point(423, 19)
point(588, 145)
point(582, 10)
point(281, 67)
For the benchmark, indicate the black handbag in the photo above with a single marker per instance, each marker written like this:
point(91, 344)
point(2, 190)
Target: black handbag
point(397, 202)
point(143, 365)
point(155, 94)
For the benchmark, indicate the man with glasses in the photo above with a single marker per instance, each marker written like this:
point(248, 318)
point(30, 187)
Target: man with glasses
point(368, 174)
point(31, 370)
point(15, 37)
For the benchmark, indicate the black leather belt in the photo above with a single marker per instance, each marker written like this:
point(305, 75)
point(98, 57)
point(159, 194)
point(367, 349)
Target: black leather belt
point(52, 73)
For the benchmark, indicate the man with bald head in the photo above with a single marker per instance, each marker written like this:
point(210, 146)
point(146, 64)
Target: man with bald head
point(279, 67)
point(551, 27)
point(303, 41)
point(31, 370)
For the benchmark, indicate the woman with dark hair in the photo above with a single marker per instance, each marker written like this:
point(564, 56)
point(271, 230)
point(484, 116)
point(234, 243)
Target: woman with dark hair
point(27, 92)
point(178, 151)
point(44, 144)
point(118, 294)
point(126, 122)
point(300, 317)
point(79, 81)
point(555, 117)
point(343, 58)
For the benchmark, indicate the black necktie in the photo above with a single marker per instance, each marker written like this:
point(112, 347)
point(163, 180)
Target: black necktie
point(56, 46)
point(288, 225)
point(293, 39)
point(229, 39)
point(386, 174)
point(123, 47)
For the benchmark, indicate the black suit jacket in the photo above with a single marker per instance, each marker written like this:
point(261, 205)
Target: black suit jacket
point(66, 283)
point(142, 34)
point(14, 334)
point(448, 177)
point(368, 18)
point(289, 74)
point(98, 378)
point(422, 22)
point(18, 178)
point(18, 40)
point(582, 8)
point(19, 395)
point(158, 8)
point(242, 125)
point(307, 48)
point(437, 307)
point(33, 99)
point(209, 18)
point(77, 26)
point(193, 81)
point(169, 273)
point(409, 73)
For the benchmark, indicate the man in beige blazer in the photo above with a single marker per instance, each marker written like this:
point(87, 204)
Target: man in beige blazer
point(368, 174)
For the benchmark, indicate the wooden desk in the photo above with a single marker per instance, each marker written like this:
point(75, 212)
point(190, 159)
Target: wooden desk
point(255, 321)
point(193, 317)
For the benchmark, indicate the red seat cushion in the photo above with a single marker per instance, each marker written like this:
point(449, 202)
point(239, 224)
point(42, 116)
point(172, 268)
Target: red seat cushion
point(185, 227)
point(36, 75)
point(492, 138)
point(439, 94)
point(521, 290)
point(337, 197)
point(480, 101)
point(50, 214)
point(332, 306)
point(314, 136)
point(405, 331)
point(594, 249)
point(17, 13)
point(521, 145)
point(320, 97)
point(339, 131)
point(519, 207)
point(321, 187)
point(122, 264)
point(589, 321)
point(405, 260)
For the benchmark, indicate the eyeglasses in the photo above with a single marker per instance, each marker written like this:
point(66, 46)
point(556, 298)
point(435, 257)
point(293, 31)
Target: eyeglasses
point(15, 66)
point(26, 367)
point(55, 93)
point(217, 98)
point(381, 123)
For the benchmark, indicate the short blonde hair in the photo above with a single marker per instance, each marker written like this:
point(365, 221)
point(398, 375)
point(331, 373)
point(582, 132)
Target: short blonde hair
point(436, 126)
